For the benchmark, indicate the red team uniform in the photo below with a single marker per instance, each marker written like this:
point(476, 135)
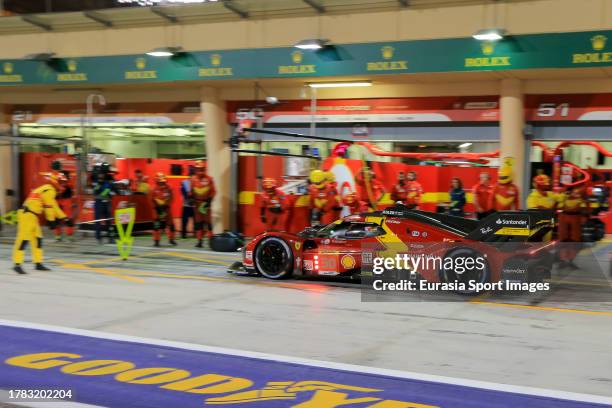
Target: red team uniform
point(66, 201)
point(272, 205)
point(483, 199)
point(369, 197)
point(574, 210)
point(162, 203)
point(202, 192)
point(351, 201)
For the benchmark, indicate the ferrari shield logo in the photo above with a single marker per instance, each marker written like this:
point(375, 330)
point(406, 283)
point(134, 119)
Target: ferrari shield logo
point(298, 245)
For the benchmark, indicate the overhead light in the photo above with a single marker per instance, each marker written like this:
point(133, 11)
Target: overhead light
point(339, 84)
point(311, 44)
point(464, 145)
point(145, 3)
point(40, 56)
point(489, 34)
point(164, 51)
point(422, 146)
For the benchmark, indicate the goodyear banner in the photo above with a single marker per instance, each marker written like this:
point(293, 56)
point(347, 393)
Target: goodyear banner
point(123, 373)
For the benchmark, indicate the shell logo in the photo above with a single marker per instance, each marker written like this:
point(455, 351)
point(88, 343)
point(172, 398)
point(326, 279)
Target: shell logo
point(599, 42)
point(348, 262)
point(215, 59)
point(141, 63)
point(387, 52)
point(7, 68)
point(72, 65)
point(487, 47)
point(297, 57)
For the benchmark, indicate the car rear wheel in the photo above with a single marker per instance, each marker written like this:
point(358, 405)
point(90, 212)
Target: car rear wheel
point(459, 273)
point(273, 258)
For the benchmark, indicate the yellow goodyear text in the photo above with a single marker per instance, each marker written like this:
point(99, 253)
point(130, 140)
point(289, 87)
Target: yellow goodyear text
point(488, 62)
point(79, 76)
point(297, 69)
point(592, 58)
point(140, 74)
point(217, 389)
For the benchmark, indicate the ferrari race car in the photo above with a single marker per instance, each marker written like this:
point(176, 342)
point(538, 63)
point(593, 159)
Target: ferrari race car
point(511, 245)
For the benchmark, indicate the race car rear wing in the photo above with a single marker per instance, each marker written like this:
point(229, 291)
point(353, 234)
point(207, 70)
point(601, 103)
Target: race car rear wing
point(514, 226)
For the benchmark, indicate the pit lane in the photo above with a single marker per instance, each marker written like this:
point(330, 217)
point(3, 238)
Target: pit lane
point(181, 294)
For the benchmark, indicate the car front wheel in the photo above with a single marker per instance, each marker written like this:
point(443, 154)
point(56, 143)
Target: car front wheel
point(273, 258)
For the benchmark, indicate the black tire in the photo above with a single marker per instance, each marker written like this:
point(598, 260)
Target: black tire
point(478, 275)
point(273, 258)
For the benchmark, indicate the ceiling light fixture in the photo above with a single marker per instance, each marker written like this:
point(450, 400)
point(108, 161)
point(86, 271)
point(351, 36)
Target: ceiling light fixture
point(340, 84)
point(164, 51)
point(464, 145)
point(311, 44)
point(489, 34)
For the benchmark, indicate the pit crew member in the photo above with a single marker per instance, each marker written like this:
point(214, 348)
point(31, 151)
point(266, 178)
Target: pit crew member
point(162, 203)
point(457, 197)
point(203, 192)
point(505, 194)
point(66, 201)
point(574, 209)
point(40, 201)
point(483, 192)
point(272, 204)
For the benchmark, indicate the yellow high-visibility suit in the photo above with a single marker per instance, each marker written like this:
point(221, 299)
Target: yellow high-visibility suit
point(40, 201)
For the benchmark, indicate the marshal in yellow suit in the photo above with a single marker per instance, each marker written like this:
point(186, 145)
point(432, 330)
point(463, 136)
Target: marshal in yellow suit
point(41, 201)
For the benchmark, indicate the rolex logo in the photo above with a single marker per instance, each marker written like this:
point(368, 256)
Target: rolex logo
point(7, 68)
point(599, 42)
point(215, 59)
point(141, 63)
point(297, 56)
point(487, 47)
point(387, 52)
point(72, 65)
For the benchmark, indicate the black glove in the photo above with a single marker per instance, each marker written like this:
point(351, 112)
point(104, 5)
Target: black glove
point(52, 224)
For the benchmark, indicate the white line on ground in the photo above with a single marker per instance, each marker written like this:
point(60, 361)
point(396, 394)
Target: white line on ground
point(323, 364)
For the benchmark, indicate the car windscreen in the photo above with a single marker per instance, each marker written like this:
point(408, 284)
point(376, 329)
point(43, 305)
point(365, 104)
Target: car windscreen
point(348, 229)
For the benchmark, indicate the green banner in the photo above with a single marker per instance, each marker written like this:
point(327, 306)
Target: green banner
point(124, 223)
point(557, 50)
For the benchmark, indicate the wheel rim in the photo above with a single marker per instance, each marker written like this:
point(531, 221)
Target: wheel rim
point(480, 276)
point(272, 258)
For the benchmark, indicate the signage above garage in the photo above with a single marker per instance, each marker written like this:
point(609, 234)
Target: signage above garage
point(537, 51)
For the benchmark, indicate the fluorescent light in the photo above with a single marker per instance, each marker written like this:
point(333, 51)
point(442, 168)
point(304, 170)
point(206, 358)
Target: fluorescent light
point(464, 145)
point(164, 51)
point(339, 84)
point(311, 44)
point(489, 34)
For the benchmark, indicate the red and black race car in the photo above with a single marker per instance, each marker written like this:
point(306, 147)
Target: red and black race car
point(513, 245)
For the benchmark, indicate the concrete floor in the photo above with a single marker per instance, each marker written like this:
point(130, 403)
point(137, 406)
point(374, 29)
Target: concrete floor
point(186, 295)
